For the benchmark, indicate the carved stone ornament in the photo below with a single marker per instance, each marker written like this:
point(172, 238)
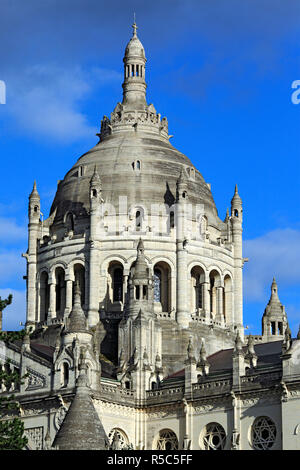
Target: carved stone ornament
point(35, 380)
point(60, 416)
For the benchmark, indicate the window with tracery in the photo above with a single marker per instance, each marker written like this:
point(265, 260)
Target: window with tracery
point(213, 437)
point(118, 439)
point(263, 433)
point(167, 440)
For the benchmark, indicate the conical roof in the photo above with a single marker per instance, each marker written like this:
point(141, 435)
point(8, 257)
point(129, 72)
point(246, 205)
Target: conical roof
point(274, 307)
point(77, 319)
point(141, 267)
point(81, 428)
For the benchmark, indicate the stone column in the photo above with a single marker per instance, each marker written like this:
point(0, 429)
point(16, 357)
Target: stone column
point(94, 281)
point(182, 310)
point(220, 316)
point(206, 300)
point(52, 300)
point(69, 295)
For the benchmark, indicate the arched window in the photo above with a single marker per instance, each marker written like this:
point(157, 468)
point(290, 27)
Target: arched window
point(167, 440)
point(118, 285)
point(60, 290)
point(138, 220)
point(118, 439)
point(64, 374)
point(197, 295)
point(138, 165)
point(70, 222)
point(44, 296)
point(162, 286)
point(115, 284)
point(213, 437)
point(214, 280)
point(263, 433)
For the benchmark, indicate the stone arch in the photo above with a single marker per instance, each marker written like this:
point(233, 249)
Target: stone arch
point(110, 258)
point(200, 264)
point(162, 272)
point(115, 284)
point(118, 439)
point(158, 259)
point(166, 439)
point(58, 264)
point(215, 294)
point(44, 269)
point(81, 261)
point(197, 286)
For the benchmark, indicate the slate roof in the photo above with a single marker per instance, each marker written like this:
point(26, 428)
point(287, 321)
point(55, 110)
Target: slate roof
point(268, 354)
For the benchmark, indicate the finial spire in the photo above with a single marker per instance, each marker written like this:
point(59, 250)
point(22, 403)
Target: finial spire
point(134, 26)
point(34, 191)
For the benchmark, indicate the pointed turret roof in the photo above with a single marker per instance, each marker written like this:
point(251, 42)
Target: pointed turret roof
point(236, 196)
point(141, 267)
point(274, 307)
point(34, 193)
point(81, 428)
point(95, 180)
point(77, 319)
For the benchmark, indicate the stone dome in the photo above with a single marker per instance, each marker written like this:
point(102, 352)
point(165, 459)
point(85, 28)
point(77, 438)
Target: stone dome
point(134, 157)
point(115, 157)
point(134, 48)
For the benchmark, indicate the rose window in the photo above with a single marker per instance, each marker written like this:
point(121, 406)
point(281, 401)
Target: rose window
point(263, 433)
point(214, 437)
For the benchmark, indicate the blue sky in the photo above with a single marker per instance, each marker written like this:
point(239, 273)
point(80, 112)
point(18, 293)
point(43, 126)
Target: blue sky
point(220, 70)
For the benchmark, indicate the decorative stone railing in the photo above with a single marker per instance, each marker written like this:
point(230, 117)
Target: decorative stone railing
point(212, 387)
point(145, 120)
point(196, 317)
point(165, 395)
point(116, 393)
point(260, 380)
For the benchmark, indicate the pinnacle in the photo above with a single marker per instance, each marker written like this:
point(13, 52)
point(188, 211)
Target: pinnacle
point(34, 191)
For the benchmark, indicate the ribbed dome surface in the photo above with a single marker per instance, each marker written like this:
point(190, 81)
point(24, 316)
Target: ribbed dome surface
point(155, 182)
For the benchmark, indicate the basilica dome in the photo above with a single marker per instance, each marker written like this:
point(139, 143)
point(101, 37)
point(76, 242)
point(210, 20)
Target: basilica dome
point(134, 157)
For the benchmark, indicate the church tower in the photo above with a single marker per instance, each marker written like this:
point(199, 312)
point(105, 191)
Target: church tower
point(274, 320)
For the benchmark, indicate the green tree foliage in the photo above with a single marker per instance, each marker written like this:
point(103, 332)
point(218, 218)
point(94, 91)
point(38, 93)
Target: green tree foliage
point(11, 427)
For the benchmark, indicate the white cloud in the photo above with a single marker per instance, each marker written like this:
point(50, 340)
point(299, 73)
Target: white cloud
point(14, 313)
point(45, 100)
point(10, 231)
point(276, 254)
point(12, 267)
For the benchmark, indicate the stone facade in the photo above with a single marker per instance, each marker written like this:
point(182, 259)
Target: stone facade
point(135, 305)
